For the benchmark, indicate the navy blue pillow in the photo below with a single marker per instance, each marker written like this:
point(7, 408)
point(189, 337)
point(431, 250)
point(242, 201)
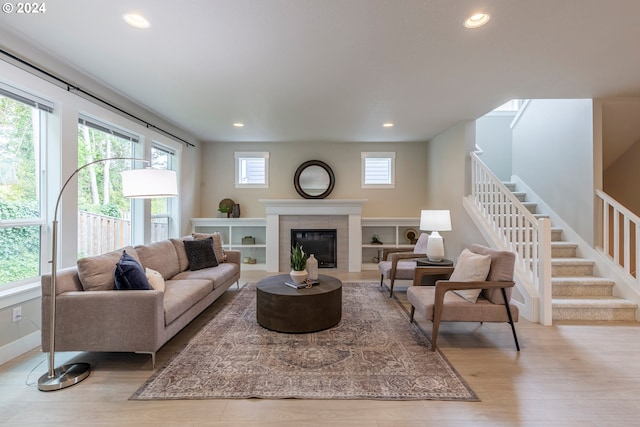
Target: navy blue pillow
point(129, 274)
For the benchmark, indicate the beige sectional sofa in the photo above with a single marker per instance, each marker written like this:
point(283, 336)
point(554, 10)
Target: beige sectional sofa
point(92, 316)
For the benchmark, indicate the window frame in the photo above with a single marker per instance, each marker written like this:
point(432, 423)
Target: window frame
point(239, 156)
point(44, 108)
point(391, 171)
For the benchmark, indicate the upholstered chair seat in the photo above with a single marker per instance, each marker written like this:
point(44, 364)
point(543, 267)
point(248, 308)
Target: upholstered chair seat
point(477, 290)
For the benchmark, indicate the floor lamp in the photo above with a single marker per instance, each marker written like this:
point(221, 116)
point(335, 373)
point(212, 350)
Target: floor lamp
point(136, 183)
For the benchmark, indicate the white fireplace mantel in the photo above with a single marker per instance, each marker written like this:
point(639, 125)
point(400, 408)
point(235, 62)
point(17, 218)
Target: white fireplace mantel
point(352, 208)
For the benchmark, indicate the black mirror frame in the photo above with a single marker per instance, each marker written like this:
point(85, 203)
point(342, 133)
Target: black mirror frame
point(323, 165)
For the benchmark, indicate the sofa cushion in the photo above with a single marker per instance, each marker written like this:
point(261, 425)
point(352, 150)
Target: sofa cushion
point(96, 272)
point(200, 254)
point(178, 244)
point(129, 274)
point(219, 275)
point(217, 244)
point(155, 279)
point(181, 295)
point(470, 267)
point(159, 256)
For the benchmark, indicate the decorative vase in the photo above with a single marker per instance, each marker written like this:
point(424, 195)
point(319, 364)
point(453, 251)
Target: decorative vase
point(312, 267)
point(298, 276)
point(235, 211)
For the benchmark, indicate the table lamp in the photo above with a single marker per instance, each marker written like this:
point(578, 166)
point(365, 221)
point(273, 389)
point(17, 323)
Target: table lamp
point(434, 221)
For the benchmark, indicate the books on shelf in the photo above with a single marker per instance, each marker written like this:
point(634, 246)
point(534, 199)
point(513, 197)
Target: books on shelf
point(306, 284)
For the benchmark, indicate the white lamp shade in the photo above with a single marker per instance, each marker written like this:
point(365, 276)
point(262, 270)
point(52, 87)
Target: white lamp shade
point(149, 183)
point(435, 220)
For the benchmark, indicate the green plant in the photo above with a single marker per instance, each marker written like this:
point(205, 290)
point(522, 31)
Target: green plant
point(298, 258)
point(223, 209)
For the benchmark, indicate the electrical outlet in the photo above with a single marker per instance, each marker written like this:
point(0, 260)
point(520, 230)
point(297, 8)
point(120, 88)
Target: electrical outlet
point(17, 314)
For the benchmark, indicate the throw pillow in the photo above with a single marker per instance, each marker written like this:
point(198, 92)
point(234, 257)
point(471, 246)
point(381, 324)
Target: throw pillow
point(129, 274)
point(155, 279)
point(217, 244)
point(470, 268)
point(200, 253)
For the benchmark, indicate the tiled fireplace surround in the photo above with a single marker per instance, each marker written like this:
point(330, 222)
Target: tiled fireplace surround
point(343, 215)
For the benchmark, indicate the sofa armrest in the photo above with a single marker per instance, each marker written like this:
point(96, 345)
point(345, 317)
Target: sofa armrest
point(106, 321)
point(233, 256)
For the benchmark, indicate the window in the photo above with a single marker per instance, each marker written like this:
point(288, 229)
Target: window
point(104, 215)
point(252, 169)
point(378, 170)
point(161, 209)
point(23, 130)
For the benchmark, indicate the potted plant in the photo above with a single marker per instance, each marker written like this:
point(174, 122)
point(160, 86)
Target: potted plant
point(298, 264)
point(224, 212)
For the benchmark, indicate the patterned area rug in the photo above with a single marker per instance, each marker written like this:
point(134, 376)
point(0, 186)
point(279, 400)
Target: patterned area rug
point(373, 353)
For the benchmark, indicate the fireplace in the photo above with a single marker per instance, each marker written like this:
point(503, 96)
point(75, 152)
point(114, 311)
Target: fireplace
point(321, 243)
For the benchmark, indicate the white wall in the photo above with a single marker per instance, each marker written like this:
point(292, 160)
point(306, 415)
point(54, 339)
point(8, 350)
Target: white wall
point(405, 200)
point(494, 137)
point(446, 183)
point(553, 154)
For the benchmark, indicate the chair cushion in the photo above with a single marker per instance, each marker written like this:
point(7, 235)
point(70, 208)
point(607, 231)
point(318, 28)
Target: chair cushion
point(421, 244)
point(471, 267)
point(404, 270)
point(502, 265)
point(457, 309)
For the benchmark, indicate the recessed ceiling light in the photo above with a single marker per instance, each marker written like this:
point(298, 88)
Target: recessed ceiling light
point(136, 20)
point(477, 20)
point(387, 125)
point(239, 125)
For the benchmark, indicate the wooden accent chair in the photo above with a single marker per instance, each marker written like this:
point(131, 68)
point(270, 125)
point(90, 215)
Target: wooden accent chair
point(400, 264)
point(438, 304)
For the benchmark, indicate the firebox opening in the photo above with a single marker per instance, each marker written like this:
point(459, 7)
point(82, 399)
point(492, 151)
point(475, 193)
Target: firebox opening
point(322, 243)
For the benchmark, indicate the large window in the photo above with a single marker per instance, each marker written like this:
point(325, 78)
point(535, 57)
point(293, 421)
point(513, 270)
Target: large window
point(104, 215)
point(23, 130)
point(378, 169)
point(161, 209)
point(252, 169)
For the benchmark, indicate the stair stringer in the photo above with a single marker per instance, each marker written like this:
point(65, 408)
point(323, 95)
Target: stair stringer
point(530, 307)
point(625, 287)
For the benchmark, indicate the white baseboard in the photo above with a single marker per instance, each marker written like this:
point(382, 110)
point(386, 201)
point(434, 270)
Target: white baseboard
point(19, 347)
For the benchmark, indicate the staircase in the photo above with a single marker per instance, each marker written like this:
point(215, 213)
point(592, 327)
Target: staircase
point(576, 293)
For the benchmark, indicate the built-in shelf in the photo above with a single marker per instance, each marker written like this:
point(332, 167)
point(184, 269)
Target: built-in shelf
point(233, 230)
point(391, 232)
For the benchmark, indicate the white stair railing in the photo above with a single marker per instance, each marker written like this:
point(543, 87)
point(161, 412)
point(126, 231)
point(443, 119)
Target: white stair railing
point(620, 235)
point(517, 229)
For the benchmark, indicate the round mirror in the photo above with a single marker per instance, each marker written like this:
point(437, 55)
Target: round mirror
point(314, 180)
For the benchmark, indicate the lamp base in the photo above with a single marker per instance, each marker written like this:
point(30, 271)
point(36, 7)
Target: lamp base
point(435, 247)
point(64, 376)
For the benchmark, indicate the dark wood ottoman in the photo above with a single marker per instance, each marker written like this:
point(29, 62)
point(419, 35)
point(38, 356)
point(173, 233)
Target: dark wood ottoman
point(285, 309)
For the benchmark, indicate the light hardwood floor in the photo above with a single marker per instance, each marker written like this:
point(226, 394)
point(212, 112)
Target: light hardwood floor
point(569, 374)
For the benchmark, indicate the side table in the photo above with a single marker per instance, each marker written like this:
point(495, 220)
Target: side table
point(433, 270)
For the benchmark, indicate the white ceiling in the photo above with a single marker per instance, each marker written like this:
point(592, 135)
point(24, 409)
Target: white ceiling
point(336, 70)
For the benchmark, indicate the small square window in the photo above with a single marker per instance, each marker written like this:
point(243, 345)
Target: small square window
point(252, 169)
point(378, 170)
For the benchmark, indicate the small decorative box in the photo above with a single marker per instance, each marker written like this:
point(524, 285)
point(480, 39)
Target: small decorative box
point(248, 240)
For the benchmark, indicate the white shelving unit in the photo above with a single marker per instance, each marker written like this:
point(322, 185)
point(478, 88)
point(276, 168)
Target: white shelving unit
point(391, 232)
point(232, 231)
